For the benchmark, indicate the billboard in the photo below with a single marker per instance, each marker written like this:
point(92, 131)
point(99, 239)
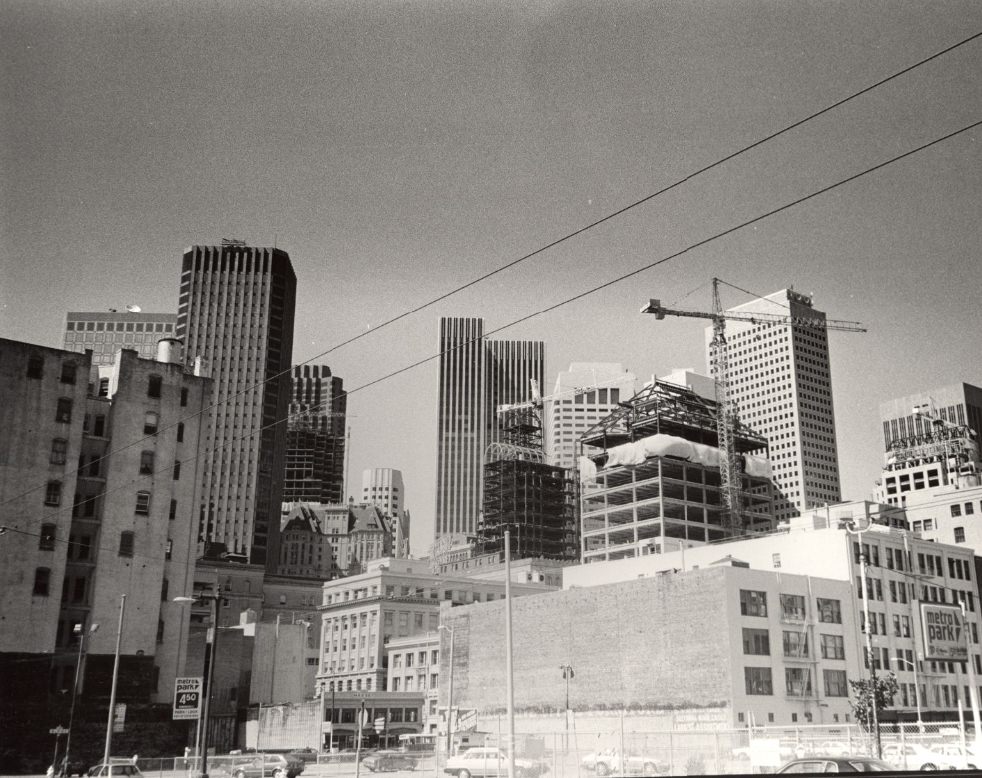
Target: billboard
point(943, 632)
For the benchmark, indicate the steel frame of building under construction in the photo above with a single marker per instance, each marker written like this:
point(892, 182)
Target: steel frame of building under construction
point(525, 495)
point(630, 510)
point(535, 502)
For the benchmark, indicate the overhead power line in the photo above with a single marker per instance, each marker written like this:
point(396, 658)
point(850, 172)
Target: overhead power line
point(587, 292)
point(552, 244)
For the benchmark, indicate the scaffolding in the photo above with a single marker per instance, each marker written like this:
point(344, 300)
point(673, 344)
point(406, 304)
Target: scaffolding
point(523, 494)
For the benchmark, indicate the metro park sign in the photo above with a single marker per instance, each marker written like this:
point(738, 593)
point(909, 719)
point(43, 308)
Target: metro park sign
point(943, 630)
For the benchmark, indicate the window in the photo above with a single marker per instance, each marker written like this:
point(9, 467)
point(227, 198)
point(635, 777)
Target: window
point(164, 586)
point(758, 680)
point(160, 634)
point(833, 647)
point(63, 413)
point(68, 372)
point(47, 539)
point(959, 534)
point(172, 513)
point(52, 494)
point(184, 397)
point(59, 451)
point(143, 503)
point(154, 384)
point(180, 432)
point(103, 387)
point(798, 681)
point(42, 579)
point(99, 426)
point(956, 510)
point(829, 611)
point(168, 549)
point(35, 367)
point(146, 463)
point(756, 641)
point(795, 644)
point(793, 607)
point(150, 423)
point(753, 603)
point(835, 683)
point(126, 544)
point(177, 470)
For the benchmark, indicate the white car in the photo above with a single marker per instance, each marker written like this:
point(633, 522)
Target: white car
point(490, 762)
point(956, 757)
point(912, 756)
point(609, 761)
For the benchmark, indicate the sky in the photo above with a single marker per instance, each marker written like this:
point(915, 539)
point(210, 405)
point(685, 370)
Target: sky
point(398, 151)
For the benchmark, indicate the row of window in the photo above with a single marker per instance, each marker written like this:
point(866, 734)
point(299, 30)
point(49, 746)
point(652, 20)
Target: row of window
point(118, 326)
point(757, 642)
point(754, 603)
point(35, 369)
point(797, 682)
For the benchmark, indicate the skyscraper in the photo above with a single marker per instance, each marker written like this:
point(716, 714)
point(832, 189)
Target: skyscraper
point(583, 395)
point(780, 383)
point(476, 376)
point(315, 437)
point(106, 332)
point(236, 311)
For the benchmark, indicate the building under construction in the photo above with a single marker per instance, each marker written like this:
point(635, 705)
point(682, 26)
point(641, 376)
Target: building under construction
point(650, 477)
point(523, 494)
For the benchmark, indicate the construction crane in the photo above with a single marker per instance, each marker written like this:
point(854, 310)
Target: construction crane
point(726, 414)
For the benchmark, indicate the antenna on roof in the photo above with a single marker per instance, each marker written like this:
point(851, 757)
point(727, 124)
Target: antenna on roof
point(133, 308)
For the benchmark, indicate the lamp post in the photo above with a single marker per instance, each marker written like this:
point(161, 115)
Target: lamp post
point(567, 674)
point(78, 674)
point(209, 675)
point(449, 691)
point(112, 694)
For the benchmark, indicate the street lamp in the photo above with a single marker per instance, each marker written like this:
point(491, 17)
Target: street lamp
point(78, 670)
point(567, 674)
point(210, 655)
point(449, 692)
point(850, 528)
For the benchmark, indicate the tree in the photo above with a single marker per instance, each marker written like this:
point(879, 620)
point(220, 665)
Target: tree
point(886, 689)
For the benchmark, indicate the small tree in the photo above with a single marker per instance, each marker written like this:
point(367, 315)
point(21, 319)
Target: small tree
point(863, 696)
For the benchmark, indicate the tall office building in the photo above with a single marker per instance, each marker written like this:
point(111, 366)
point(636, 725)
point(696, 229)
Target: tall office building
point(476, 376)
point(106, 332)
point(236, 311)
point(780, 382)
point(315, 437)
point(383, 487)
point(583, 395)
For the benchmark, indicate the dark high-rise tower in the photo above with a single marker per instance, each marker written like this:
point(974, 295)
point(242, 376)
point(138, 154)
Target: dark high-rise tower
point(236, 311)
point(315, 437)
point(476, 376)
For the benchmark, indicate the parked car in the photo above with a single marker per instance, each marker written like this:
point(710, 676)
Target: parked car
point(114, 769)
point(609, 761)
point(383, 761)
point(485, 762)
point(836, 764)
point(70, 767)
point(956, 757)
point(257, 766)
point(913, 756)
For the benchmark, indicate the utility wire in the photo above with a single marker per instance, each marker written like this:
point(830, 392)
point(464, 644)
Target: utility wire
point(554, 243)
point(587, 292)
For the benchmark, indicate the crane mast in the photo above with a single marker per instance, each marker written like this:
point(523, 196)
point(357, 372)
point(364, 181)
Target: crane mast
point(726, 413)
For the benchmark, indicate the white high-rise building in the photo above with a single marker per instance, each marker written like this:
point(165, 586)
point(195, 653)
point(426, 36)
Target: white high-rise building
point(582, 396)
point(383, 487)
point(781, 384)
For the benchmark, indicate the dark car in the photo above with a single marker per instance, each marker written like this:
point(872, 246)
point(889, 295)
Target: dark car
point(836, 764)
point(382, 761)
point(71, 767)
